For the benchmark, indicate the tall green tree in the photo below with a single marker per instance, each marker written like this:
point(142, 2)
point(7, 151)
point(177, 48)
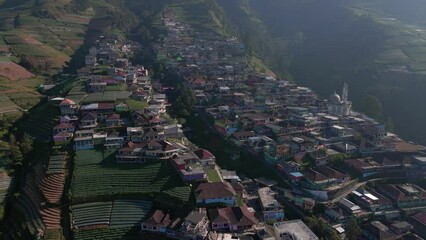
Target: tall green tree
point(26, 144)
point(372, 106)
point(389, 125)
point(353, 229)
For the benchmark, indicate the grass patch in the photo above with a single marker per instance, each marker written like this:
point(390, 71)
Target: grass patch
point(213, 175)
point(135, 104)
point(109, 96)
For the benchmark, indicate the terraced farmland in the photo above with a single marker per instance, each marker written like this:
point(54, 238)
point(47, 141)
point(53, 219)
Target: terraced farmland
point(97, 175)
point(7, 106)
point(111, 220)
point(128, 213)
point(108, 234)
point(91, 214)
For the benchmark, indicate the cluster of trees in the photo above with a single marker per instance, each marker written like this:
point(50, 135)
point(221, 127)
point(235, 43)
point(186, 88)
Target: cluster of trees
point(323, 230)
point(14, 155)
point(183, 101)
point(43, 10)
point(35, 65)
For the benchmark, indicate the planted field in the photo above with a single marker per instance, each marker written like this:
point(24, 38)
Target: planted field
point(98, 175)
point(128, 233)
point(4, 183)
point(25, 100)
point(128, 213)
point(7, 106)
point(56, 164)
point(91, 214)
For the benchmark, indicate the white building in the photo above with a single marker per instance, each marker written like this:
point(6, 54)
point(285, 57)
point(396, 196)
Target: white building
point(271, 208)
point(339, 106)
point(295, 229)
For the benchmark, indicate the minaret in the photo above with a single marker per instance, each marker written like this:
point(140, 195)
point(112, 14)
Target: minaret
point(345, 92)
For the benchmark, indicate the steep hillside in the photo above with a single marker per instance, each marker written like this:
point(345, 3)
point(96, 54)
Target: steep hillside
point(368, 44)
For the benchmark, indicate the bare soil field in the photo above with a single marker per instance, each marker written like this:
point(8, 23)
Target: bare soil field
point(14, 71)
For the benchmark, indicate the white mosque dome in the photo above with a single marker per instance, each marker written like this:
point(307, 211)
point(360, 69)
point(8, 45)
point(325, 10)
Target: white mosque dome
point(334, 98)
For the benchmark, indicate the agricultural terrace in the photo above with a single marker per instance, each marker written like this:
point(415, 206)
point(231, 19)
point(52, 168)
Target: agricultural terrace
point(108, 234)
point(98, 176)
point(21, 92)
point(117, 214)
point(7, 106)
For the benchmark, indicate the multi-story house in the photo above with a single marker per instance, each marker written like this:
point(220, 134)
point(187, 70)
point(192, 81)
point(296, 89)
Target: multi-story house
point(83, 140)
point(195, 226)
point(271, 208)
point(68, 107)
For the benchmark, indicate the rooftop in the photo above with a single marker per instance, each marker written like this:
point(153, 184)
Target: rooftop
point(295, 228)
point(267, 198)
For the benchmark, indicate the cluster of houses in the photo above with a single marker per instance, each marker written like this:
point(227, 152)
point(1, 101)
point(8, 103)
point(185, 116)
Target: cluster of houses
point(321, 147)
point(147, 135)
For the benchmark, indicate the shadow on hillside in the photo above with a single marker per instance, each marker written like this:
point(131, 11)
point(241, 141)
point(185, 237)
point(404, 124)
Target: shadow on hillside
point(13, 3)
point(95, 29)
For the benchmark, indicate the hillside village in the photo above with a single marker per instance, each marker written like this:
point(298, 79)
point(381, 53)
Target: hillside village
point(116, 121)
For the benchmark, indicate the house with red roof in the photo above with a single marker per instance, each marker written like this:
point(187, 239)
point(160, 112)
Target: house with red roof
point(231, 219)
point(198, 83)
point(62, 138)
point(404, 195)
point(215, 193)
point(157, 222)
point(206, 158)
point(146, 151)
point(68, 107)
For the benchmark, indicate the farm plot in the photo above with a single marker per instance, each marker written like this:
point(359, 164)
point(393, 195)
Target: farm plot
point(127, 213)
point(95, 214)
point(98, 175)
point(7, 106)
point(4, 183)
point(108, 234)
point(14, 71)
point(25, 100)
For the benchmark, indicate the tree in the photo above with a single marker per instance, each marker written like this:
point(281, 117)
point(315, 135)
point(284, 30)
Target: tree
point(372, 106)
point(15, 154)
point(390, 127)
point(26, 144)
point(353, 230)
point(318, 208)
